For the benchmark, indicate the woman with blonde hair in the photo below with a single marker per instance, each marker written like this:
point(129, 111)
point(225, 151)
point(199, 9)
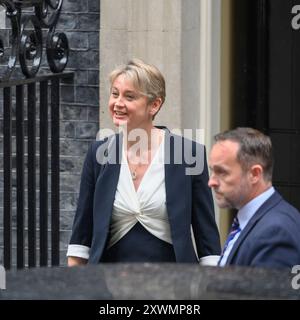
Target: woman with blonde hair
point(137, 202)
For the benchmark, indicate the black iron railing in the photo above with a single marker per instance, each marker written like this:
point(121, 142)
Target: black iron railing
point(27, 40)
point(26, 46)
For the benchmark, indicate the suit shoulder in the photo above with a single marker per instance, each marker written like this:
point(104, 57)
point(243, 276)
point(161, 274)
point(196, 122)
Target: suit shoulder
point(187, 142)
point(285, 209)
point(98, 143)
point(283, 216)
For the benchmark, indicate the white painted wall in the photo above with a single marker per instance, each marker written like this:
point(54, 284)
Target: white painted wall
point(149, 30)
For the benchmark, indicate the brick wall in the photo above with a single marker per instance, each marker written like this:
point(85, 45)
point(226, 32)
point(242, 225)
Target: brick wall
point(80, 103)
point(79, 118)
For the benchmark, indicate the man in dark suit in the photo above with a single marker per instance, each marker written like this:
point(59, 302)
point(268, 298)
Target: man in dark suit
point(266, 229)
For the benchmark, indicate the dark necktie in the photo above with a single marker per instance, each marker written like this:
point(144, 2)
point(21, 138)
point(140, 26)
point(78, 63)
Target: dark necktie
point(235, 228)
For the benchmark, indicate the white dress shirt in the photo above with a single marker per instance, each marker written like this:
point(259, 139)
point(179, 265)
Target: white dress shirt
point(244, 215)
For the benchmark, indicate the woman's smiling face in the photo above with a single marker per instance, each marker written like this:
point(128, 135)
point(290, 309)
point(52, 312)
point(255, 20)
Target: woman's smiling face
point(128, 106)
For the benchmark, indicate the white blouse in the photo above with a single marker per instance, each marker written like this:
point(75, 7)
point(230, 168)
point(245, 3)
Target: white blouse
point(147, 205)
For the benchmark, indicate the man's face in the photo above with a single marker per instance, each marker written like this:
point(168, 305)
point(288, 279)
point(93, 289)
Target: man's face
point(230, 183)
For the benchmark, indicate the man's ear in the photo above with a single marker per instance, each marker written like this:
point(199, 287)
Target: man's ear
point(155, 106)
point(256, 173)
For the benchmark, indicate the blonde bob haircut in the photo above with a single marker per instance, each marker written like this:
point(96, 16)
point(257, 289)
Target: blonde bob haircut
point(146, 78)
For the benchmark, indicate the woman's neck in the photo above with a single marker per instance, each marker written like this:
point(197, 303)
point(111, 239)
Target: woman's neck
point(143, 149)
point(145, 138)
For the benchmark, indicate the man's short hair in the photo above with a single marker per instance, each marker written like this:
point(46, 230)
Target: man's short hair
point(254, 148)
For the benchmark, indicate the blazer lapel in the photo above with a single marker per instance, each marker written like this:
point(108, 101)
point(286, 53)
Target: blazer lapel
point(107, 182)
point(270, 203)
point(175, 182)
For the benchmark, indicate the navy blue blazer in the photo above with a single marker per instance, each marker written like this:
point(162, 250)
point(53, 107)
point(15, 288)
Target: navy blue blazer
point(271, 238)
point(188, 199)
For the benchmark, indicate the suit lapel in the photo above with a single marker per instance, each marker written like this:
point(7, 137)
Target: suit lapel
point(269, 204)
point(175, 182)
point(107, 182)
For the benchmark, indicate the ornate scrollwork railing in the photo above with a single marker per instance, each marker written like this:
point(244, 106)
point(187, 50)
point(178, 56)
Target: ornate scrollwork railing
point(26, 40)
